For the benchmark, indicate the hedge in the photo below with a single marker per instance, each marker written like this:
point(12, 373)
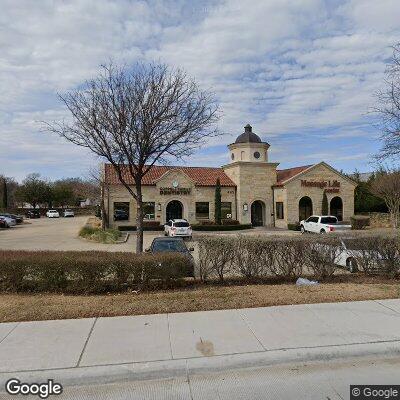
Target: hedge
point(87, 271)
point(359, 221)
point(237, 227)
point(289, 258)
point(294, 227)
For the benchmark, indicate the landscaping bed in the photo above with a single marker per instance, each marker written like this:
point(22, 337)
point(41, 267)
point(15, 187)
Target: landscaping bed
point(43, 306)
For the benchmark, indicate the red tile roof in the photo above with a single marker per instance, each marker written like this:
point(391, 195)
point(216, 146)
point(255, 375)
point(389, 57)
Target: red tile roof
point(202, 176)
point(284, 174)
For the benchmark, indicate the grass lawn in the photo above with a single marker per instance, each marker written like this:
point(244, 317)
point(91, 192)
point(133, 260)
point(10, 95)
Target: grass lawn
point(28, 307)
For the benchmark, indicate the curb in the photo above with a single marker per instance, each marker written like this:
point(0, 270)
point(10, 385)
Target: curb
point(141, 371)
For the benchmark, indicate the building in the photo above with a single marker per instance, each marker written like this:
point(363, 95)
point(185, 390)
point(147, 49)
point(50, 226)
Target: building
point(253, 190)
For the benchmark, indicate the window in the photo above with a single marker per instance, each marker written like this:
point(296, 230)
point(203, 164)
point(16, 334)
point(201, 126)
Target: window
point(329, 220)
point(256, 154)
point(121, 211)
point(233, 156)
point(181, 224)
point(226, 210)
point(202, 210)
point(149, 209)
point(242, 155)
point(279, 210)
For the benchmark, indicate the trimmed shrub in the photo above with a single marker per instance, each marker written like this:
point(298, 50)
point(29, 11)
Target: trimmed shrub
point(359, 222)
point(253, 257)
point(215, 257)
point(377, 255)
point(321, 256)
point(229, 221)
point(146, 227)
point(205, 228)
point(289, 256)
point(294, 227)
point(87, 271)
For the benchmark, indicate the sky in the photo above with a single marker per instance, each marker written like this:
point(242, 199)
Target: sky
point(303, 73)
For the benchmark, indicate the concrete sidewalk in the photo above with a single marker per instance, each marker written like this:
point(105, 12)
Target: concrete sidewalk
point(171, 344)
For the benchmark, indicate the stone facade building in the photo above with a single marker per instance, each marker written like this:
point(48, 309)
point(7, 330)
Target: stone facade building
point(253, 190)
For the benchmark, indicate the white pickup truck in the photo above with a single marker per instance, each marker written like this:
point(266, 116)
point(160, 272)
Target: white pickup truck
point(322, 224)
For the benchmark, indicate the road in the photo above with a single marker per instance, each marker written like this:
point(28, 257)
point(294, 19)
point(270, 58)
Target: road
point(292, 382)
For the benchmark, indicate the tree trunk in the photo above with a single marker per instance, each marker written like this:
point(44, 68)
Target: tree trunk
point(139, 218)
point(103, 212)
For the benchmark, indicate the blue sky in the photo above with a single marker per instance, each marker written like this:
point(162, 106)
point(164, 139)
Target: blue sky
point(301, 72)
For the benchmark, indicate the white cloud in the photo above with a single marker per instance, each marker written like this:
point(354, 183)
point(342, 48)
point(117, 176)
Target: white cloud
point(304, 66)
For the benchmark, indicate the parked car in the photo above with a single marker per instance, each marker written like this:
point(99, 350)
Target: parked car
point(3, 223)
point(322, 224)
point(68, 213)
point(9, 221)
point(173, 245)
point(53, 214)
point(120, 215)
point(32, 214)
point(178, 227)
point(18, 218)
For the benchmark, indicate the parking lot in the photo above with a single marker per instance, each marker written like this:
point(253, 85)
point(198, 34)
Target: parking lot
point(53, 234)
point(62, 234)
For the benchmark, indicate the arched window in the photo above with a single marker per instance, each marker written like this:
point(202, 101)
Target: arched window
point(305, 208)
point(337, 208)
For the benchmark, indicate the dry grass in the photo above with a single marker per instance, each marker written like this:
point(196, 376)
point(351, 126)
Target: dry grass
point(23, 307)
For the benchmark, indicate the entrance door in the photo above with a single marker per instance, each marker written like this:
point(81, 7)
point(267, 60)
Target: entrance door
point(337, 208)
point(305, 208)
point(257, 213)
point(174, 210)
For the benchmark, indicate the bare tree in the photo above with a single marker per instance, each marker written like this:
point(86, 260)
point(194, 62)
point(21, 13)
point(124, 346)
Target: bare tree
point(387, 186)
point(388, 108)
point(136, 117)
point(96, 177)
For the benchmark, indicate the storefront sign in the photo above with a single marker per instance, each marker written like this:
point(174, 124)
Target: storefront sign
point(175, 191)
point(329, 186)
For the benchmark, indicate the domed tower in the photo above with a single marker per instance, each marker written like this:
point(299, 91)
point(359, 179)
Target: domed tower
point(254, 177)
point(249, 147)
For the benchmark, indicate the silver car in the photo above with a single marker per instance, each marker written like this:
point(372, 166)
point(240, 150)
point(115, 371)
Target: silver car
point(8, 221)
point(68, 213)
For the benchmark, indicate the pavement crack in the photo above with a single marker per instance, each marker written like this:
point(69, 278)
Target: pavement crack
point(251, 330)
point(86, 342)
point(169, 337)
point(9, 333)
point(384, 305)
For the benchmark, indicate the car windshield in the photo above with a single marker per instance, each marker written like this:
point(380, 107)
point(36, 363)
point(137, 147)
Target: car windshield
point(328, 220)
point(169, 245)
point(182, 224)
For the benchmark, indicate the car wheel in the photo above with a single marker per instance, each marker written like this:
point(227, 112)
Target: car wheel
point(302, 230)
point(351, 265)
point(322, 231)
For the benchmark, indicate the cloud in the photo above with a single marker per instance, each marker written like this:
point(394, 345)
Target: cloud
point(298, 71)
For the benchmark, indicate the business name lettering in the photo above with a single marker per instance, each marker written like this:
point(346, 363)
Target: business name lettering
point(329, 186)
point(176, 191)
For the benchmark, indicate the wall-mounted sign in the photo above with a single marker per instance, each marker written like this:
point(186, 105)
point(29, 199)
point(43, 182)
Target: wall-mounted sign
point(173, 190)
point(329, 186)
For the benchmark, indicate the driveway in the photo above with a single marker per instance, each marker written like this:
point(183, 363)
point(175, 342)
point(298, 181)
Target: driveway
point(54, 234)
